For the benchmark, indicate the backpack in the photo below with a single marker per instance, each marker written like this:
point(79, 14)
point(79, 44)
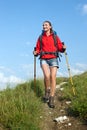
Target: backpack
point(56, 53)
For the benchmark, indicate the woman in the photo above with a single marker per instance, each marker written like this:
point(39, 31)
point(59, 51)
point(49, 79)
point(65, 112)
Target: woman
point(48, 60)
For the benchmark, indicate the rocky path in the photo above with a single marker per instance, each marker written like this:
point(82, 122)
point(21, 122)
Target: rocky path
point(57, 118)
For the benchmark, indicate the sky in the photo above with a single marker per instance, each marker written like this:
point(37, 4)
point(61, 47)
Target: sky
point(20, 26)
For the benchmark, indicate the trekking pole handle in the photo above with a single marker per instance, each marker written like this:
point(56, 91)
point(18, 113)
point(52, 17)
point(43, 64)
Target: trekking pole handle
point(35, 50)
point(64, 48)
point(63, 43)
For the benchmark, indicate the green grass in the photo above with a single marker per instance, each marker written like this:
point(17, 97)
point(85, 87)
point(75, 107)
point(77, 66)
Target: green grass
point(79, 100)
point(61, 79)
point(21, 107)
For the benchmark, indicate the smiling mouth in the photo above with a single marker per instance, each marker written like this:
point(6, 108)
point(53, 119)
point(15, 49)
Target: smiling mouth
point(44, 28)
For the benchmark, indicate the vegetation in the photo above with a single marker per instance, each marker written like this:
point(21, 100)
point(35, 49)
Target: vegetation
point(79, 100)
point(20, 107)
point(61, 79)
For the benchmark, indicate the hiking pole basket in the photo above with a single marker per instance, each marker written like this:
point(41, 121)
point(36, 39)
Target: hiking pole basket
point(70, 76)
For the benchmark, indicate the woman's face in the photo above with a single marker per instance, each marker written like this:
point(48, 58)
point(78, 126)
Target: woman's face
point(46, 26)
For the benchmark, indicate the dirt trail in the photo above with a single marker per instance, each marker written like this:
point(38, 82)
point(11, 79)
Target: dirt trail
point(60, 111)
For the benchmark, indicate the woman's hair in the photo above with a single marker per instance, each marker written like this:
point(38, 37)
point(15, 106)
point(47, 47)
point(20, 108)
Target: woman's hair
point(51, 30)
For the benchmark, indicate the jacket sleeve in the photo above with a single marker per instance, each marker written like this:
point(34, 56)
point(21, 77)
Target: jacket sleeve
point(60, 45)
point(38, 46)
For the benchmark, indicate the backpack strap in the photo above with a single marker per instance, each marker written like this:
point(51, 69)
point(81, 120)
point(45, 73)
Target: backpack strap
point(40, 38)
point(55, 40)
point(56, 44)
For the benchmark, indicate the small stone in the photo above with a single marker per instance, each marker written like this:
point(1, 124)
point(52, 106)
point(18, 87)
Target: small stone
point(50, 112)
point(61, 110)
point(68, 102)
point(61, 119)
point(61, 89)
point(69, 124)
point(41, 117)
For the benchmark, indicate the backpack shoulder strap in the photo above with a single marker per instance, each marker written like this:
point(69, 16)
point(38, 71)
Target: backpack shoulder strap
point(55, 40)
point(56, 44)
point(40, 38)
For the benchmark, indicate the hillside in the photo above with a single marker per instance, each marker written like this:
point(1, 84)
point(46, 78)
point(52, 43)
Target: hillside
point(22, 108)
point(53, 118)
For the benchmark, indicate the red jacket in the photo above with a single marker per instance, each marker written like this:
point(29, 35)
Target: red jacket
point(49, 46)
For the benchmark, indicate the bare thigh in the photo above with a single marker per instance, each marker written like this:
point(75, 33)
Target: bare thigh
point(46, 70)
point(53, 72)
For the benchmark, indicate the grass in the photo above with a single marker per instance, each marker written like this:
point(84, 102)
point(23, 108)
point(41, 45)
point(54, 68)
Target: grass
point(79, 100)
point(21, 107)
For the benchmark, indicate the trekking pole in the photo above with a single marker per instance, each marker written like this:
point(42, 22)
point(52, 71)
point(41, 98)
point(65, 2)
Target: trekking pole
point(34, 71)
point(70, 76)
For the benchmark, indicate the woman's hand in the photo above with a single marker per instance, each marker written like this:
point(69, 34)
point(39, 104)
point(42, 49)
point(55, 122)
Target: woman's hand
point(35, 53)
point(64, 46)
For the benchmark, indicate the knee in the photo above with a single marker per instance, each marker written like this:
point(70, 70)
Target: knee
point(52, 77)
point(47, 77)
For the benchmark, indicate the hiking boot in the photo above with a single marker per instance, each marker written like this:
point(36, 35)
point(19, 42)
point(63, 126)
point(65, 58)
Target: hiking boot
point(51, 102)
point(47, 95)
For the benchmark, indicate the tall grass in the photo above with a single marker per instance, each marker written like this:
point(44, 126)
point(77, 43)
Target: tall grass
point(79, 101)
point(20, 108)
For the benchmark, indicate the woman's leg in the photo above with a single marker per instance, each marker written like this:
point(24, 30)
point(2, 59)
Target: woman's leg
point(53, 72)
point(46, 73)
